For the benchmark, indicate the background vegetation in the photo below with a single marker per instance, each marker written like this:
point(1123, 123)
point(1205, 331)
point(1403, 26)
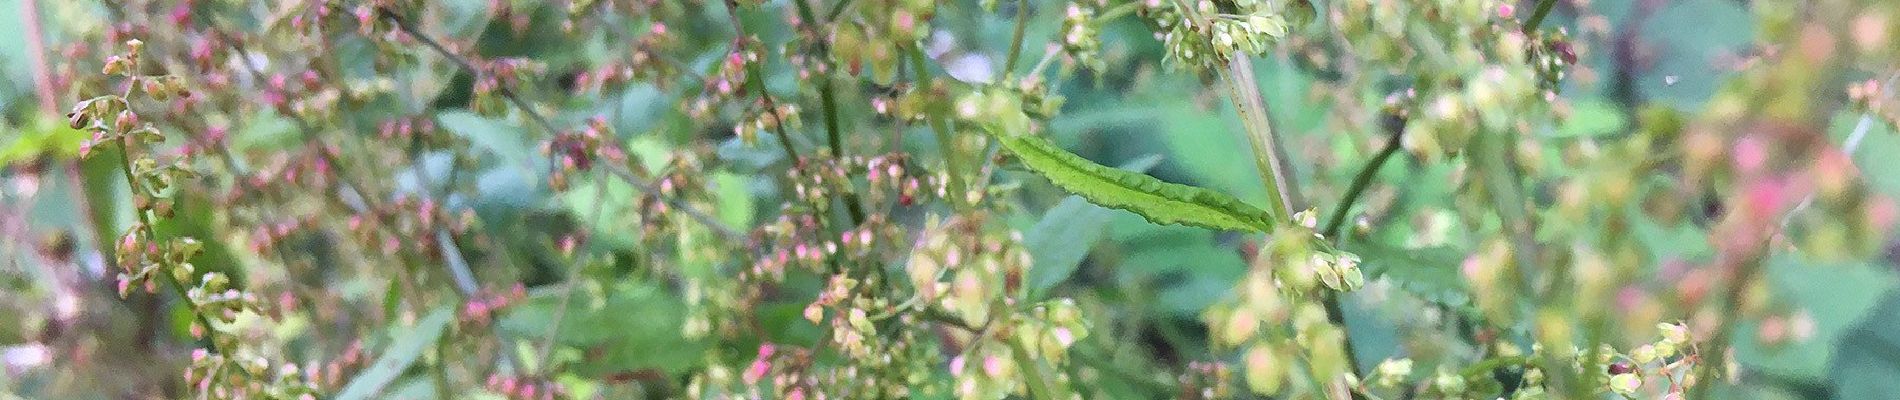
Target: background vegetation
point(974, 199)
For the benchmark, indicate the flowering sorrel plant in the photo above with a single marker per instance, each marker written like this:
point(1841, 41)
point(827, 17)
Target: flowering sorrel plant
point(801, 199)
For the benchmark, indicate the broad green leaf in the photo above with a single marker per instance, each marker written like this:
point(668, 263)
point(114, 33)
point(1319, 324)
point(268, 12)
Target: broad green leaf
point(398, 356)
point(1430, 273)
point(41, 136)
point(1833, 297)
point(1864, 366)
point(1066, 233)
point(626, 327)
point(1159, 202)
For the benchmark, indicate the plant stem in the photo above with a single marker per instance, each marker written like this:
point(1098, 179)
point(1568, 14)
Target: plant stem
point(625, 174)
point(1118, 11)
point(836, 10)
point(146, 224)
point(755, 77)
point(1016, 38)
point(1359, 183)
point(958, 193)
point(1713, 357)
point(1277, 176)
point(1537, 17)
point(1040, 386)
point(829, 102)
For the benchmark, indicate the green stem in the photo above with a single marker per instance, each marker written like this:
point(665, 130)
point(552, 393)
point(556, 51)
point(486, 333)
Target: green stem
point(1040, 386)
point(1016, 37)
point(958, 193)
point(1712, 357)
point(1537, 17)
point(1359, 184)
point(151, 231)
point(1274, 172)
point(828, 101)
point(1118, 11)
point(836, 10)
point(1277, 175)
point(1501, 181)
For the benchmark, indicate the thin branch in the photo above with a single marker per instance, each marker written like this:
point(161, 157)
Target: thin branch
point(958, 192)
point(828, 100)
point(1016, 38)
point(755, 77)
point(1359, 184)
point(151, 232)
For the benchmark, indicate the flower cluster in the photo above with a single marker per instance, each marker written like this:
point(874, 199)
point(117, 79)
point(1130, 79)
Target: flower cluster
point(1204, 34)
point(1277, 317)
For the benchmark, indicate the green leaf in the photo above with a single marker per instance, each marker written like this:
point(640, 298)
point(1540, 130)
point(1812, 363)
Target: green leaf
point(1159, 202)
point(1066, 232)
point(1592, 118)
point(1430, 273)
point(1834, 297)
point(630, 326)
point(1864, 366)
point(398, 356)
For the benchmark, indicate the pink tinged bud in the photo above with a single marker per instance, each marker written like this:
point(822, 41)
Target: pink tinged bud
point(993, 366)
point(956, 365)
point(1506, 11)
point(1882, 212)
point(1064, 336)
point(199, 354)
point(757, 371)
point(1773, 330)
point(1764, 198)
point(1751, 155)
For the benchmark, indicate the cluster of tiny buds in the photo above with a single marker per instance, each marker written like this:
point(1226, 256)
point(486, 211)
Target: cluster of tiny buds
point(408, 216)
point(726, 83)
point(497, 77)
point(266, 237)
point(575, 152)
point(1871, 96)
point(525, 388)
point(1205, 380)
point(221, 376)
point(480, 307)
point(337, 371)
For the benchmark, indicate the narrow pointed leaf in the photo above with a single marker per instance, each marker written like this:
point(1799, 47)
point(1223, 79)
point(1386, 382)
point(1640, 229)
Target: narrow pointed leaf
point(398, 356)
point(1159, 202)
